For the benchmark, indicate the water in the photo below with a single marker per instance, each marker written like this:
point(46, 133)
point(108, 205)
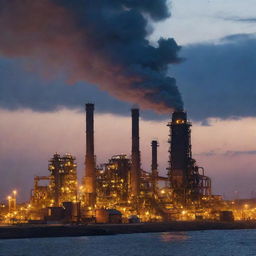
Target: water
point(194, 243)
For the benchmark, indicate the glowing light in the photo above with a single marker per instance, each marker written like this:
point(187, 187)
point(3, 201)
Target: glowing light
point(180, 121)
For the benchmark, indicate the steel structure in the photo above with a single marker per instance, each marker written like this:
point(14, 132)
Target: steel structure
point(63, 179)
point(113, 181)
point(123, 185)
point(61, 184)
point(185, 178)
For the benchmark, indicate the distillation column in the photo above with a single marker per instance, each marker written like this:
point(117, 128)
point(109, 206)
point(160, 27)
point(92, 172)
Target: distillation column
point(180, 153)
point(90, 172)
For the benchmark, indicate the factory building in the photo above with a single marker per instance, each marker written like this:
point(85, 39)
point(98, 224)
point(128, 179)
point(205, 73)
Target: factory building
point(63, 179)
point(122, 186)
point(113, 180)
point(61, 183)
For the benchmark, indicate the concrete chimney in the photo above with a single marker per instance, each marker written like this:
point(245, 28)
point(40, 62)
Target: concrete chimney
point(135, 168)
point(90, 172)
point(154, 164)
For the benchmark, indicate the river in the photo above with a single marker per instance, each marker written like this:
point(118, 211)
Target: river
point(192, 243)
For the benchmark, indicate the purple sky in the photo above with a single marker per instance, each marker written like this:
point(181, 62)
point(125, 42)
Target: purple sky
point(28, 140)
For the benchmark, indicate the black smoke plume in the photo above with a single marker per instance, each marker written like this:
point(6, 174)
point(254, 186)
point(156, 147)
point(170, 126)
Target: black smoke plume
point(102, 42)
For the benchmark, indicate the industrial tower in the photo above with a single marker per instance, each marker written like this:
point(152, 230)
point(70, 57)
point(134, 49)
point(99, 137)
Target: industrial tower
point(186, 179)
point(135, 168)
point(90, 170)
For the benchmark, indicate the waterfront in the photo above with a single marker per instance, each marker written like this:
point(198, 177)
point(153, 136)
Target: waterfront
point(198, 243)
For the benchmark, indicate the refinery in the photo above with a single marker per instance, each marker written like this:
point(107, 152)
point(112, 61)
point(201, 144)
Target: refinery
point(120, 191)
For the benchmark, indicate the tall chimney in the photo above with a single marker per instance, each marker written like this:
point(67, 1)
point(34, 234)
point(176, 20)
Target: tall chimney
point(154, 164)
point(180, 151)
point(90, 172)
point(135, 169)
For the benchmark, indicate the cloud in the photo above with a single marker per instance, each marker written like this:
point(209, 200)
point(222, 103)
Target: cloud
point(240, 19)
point(218, 80)
point(238, 38)
point(239, 153)
point(231, 153)
point(25, 90)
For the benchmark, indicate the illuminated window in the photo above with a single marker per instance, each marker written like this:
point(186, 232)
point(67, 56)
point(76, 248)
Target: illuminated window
point(180, 121)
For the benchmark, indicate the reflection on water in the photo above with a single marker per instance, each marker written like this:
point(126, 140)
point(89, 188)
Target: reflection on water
point(171, 237)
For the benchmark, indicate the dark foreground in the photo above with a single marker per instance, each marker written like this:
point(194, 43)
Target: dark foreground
point(36, 231)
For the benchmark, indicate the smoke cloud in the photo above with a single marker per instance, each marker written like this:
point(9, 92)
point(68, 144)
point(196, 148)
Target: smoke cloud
point(102, 42)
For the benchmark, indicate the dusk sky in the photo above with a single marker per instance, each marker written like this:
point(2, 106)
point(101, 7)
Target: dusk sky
point(42, 105)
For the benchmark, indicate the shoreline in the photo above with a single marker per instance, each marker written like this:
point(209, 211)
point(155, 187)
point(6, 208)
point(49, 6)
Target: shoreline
point(43, 231)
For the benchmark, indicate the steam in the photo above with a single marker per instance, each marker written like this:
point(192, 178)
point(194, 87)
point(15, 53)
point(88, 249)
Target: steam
point(102, 42)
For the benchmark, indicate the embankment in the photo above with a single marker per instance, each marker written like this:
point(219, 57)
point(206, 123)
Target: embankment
point(36, 231)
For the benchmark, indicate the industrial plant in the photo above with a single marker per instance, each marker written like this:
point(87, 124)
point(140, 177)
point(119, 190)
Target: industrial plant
point(120, 191)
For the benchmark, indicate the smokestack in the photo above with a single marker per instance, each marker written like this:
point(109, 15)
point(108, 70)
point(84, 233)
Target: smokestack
point(154, 146)
point(135, 169)
point(90, 172)
point(154, 164)
point(180, 149)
